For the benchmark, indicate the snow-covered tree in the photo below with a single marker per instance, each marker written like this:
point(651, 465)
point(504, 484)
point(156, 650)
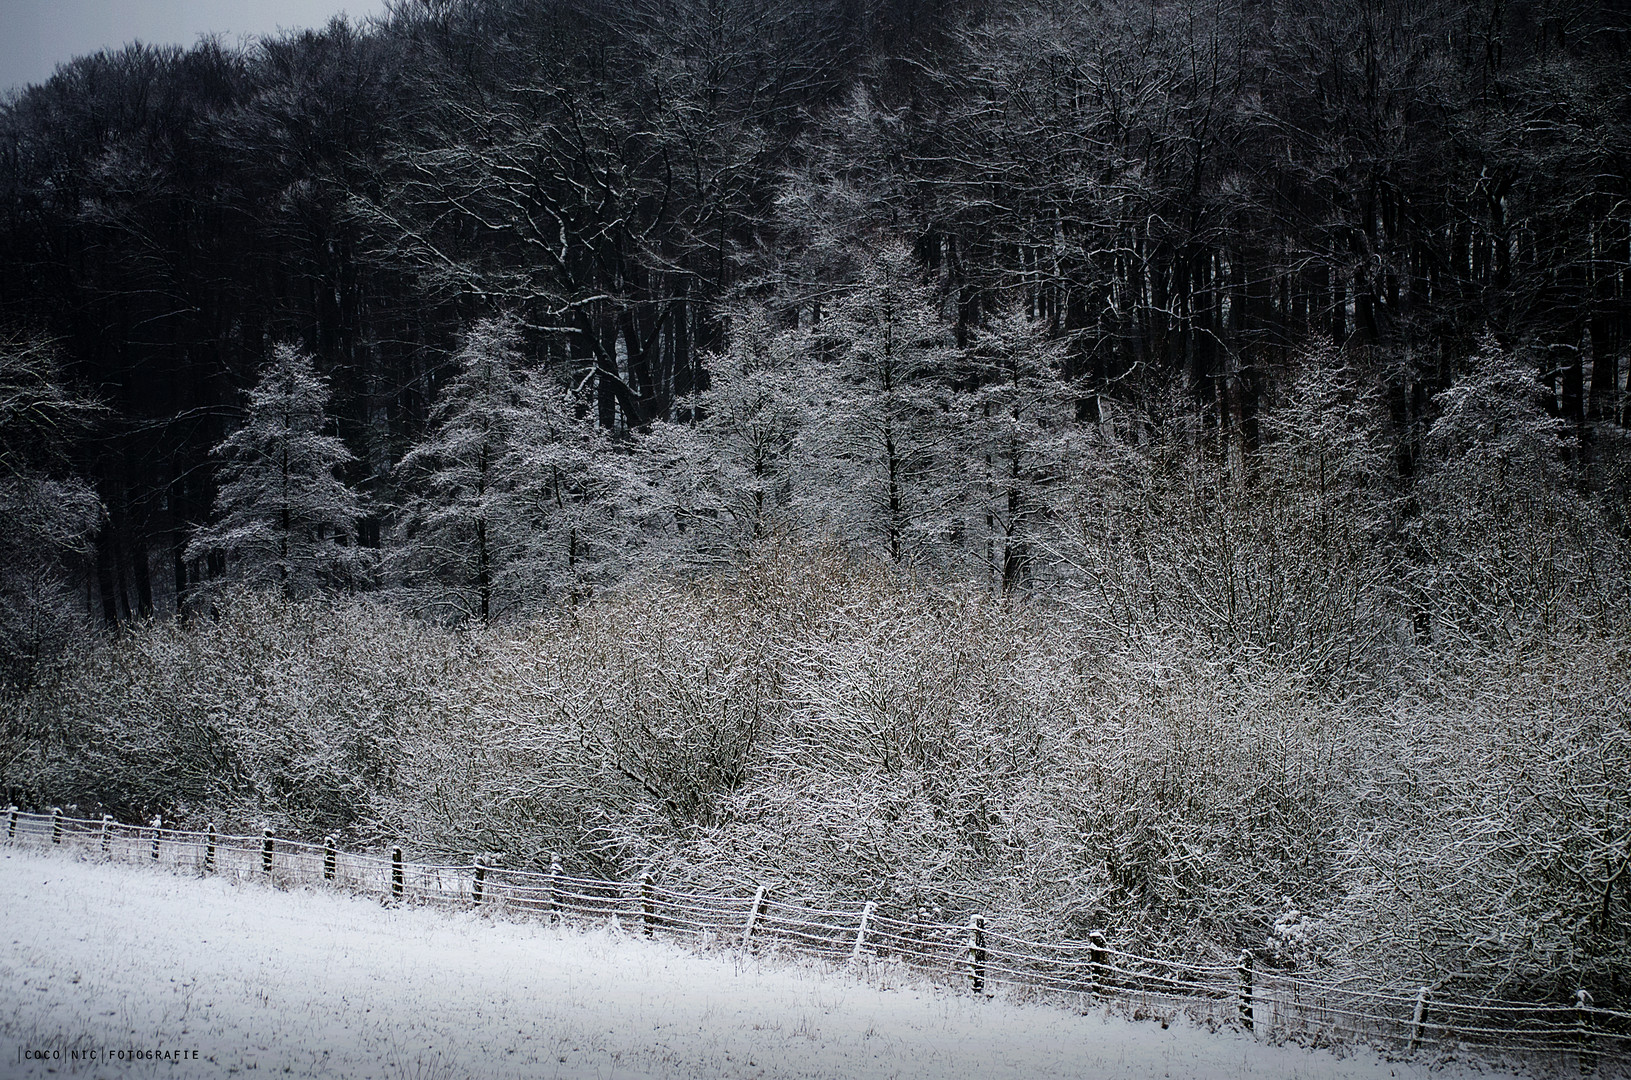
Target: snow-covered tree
point(453, 540)
point(1275, 552)
point(515, 496)
point(572, 500)
point(1012, 417)
point(1505, 546)
point(283, 517)
point(878, 434)
point(47, 516)
point(733, 476)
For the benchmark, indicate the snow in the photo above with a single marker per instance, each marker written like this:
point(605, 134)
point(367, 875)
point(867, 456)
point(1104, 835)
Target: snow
point(313, 982)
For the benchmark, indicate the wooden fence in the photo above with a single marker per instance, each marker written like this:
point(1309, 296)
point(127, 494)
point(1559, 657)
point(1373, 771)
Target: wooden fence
point(1582, 1034)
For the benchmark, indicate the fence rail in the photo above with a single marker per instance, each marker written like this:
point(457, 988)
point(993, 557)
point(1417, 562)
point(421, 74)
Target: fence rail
point(1583, 1033)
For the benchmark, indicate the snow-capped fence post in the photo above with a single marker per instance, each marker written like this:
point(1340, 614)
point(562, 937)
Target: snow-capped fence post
point(648, 905)
point(107, 841)
point(753, 916)
point(158, 830)
point(330, 857)
point(11, 822)
point(209, 848)
point(396, 871)
point(860, 935)
point(266, 850)
point(1587, 1050)
point(480, 882)
point(554, 886)
point(56, 824)
point(1096, 958)
point(1417, 1017)
point(976, 953)
point(1245, 970)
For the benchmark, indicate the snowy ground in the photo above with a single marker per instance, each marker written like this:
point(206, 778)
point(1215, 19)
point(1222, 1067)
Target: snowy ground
point(236, 978)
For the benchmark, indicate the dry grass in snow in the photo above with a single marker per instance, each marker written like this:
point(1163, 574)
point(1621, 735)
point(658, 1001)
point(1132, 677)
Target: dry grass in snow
point(98, 957)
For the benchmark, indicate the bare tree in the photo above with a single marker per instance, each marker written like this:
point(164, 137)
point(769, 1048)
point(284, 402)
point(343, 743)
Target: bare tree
point(48, 516)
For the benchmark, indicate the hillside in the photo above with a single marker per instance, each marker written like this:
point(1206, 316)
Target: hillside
point(314, 983)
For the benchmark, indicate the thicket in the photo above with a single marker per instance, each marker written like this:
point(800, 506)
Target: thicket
point(837, 730)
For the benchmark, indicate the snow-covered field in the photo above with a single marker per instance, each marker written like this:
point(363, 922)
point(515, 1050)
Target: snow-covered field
point(236, 978)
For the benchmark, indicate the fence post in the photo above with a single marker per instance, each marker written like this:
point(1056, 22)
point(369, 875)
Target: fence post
point(481, 880)
point(11, 822)
point(753, 916)
point(554, 886)
point(1245, 969)
point(860, 935)
point(106, 839)
point(1587, 1051)
point(396, 871)
point(56, 824)
point(648, 905)
point(266, 850)
point(330, 857)
point(158, 829)
point(1096, 951)
point(209, 848)
point(976, 953)
point(1418, 1016)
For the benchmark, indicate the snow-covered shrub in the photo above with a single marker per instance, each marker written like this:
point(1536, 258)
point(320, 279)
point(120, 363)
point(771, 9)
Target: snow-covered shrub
point(270, 711)
point(1276, 555)
point(1491, 841)
point(841, 731)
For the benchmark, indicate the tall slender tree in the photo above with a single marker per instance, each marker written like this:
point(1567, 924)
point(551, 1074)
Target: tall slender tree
point(452, 541)
point(573, 501)
point(733, 475)
point(879, 434)
point(1012, 414)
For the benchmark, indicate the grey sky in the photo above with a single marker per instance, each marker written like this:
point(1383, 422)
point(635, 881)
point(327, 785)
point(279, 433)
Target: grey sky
point(37, 35)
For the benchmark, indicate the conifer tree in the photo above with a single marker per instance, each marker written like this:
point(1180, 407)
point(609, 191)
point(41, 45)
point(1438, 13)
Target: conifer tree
point(454, 539)
point(515, 493)
point(1012, 412)
point(572, 499)
point(283, 518)
point(878, 435)
point(733, 473)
